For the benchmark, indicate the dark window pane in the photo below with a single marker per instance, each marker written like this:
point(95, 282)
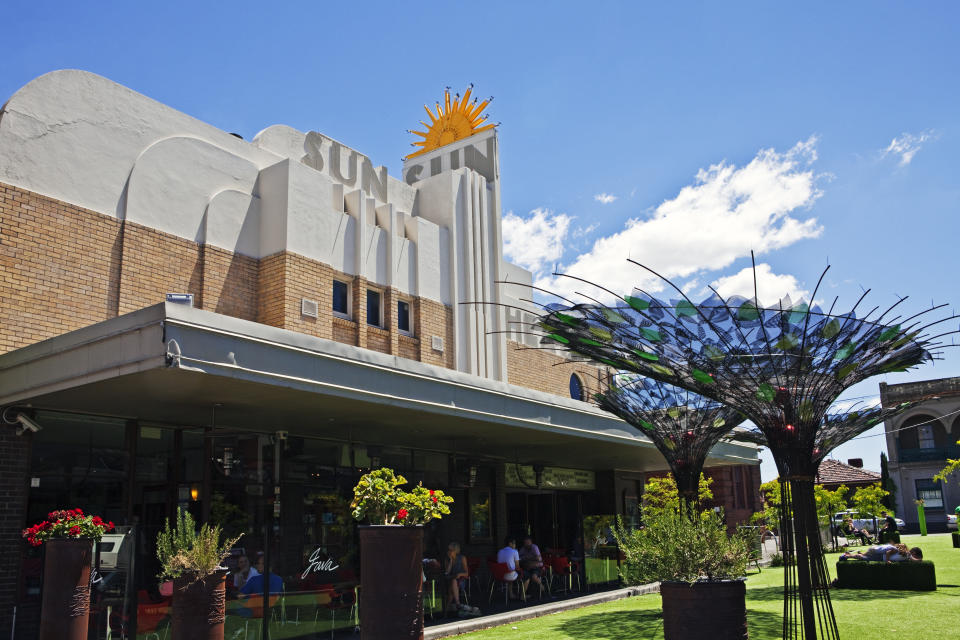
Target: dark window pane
point(340, 297)
point(373, 307)
point(576, 388)
point(403, 316)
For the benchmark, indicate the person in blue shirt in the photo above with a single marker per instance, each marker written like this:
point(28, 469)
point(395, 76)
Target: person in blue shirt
point(254, 584)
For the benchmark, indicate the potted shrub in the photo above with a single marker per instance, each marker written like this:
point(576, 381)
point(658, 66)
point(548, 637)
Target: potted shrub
point(191, 558)
point(391, 543)
point(69, 536)
point(700, 569)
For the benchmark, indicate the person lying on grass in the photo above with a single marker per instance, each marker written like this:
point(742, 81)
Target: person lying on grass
point(887, 553)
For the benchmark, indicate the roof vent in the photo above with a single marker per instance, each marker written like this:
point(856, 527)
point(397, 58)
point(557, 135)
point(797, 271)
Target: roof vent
point(309, 308)
point(856, 462)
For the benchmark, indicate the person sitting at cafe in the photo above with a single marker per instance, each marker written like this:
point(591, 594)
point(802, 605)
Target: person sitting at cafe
point(254, 584)
point(531, 562)
point(456, 573)
point(508, 555)
point(244, 572)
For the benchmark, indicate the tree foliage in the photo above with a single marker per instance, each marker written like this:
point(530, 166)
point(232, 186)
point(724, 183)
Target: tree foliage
point(952, 467)
point(660, 494)
point(679, 546)
point(869, 500)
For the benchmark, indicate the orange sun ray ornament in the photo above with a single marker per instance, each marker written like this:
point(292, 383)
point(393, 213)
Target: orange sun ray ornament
point(453, 120)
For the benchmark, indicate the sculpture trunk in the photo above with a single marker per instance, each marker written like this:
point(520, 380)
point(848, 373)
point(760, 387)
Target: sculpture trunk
point(807, 611)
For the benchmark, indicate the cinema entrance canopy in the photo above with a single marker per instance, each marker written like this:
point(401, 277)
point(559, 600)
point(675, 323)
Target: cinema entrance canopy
point(176, 365)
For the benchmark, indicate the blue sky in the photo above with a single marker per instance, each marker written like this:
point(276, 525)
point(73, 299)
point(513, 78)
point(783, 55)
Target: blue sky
point(683, 134)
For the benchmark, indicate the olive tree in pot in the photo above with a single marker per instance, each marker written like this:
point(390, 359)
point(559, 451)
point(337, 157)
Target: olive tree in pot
point(191, 558)
point(700, 568)
point(391, 549)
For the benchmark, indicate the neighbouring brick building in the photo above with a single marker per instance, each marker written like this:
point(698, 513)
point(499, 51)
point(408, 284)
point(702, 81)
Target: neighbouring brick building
point(833, 473)
point(341, 319)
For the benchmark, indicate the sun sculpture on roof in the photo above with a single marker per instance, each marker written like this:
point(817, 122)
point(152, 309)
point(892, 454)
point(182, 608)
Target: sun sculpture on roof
point(682, 425)
point(782, 367)
point(455, 119)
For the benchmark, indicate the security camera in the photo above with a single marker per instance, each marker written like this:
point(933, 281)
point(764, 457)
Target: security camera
point(27, 425)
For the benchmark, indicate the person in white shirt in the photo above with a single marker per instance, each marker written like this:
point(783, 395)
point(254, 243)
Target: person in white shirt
point(244, 572)
point(887, 553)
point(510, 557)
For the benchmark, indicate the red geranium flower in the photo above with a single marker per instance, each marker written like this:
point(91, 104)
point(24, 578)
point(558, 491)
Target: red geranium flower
point(435, 498)
point(75, 530)
point(402, 514)
point(431, 491)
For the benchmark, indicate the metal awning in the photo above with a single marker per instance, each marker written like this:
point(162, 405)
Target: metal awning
point(173, 364)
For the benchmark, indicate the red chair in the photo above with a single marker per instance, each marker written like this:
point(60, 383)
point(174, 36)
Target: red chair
point(563, 568)
point(499, 571)
point(473, 572)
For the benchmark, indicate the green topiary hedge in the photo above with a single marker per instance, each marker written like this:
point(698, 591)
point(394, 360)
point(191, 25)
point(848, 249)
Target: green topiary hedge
point(910, 576)
point(889, 538)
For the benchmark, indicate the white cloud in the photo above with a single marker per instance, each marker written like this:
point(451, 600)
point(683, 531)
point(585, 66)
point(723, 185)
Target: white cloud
point(908, 144)
point(535, 242)
point(604, 198)
point(581, 232)
point(725, 213)
point(771, 287)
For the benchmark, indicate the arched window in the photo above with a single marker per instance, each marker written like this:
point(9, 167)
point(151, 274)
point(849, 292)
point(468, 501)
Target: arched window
point(576, 387)
point(922, 435)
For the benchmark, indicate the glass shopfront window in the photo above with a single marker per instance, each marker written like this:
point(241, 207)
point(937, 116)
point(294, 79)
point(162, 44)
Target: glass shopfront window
point(294, 570)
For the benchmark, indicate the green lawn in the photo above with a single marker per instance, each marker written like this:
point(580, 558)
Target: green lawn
point(861, 614)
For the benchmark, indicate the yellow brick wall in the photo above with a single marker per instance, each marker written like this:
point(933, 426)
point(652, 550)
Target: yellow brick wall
point(548, 372)
point(59, 267)
point(156, 263)
point(230, 283)
point(63, 267)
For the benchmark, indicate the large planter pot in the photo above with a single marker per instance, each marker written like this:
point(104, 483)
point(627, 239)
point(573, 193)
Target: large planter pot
point(956, 539)
point(199, 607)
point(391, 582)
point(708, 610)
point(66, 589)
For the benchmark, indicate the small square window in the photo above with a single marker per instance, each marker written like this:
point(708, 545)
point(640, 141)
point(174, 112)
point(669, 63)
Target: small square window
point(373, 308)
point(403, 316)
point(341, 298)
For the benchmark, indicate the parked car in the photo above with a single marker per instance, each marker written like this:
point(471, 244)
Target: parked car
point(951, 521)
point(864, 521)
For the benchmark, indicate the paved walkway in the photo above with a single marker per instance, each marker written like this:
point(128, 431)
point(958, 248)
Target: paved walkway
point(467, 625)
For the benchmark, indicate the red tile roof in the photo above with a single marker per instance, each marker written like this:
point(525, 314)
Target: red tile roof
point(834, 472)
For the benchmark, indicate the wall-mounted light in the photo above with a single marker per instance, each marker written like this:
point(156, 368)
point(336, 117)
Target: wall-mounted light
point(538, 474)
point(194, 493)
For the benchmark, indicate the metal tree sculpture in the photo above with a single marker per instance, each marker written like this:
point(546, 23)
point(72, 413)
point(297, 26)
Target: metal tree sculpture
point(683, 425)
point(782, 367)
point(838, 427)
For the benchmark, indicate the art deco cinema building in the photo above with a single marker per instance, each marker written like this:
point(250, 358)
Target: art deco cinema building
point(341, 319)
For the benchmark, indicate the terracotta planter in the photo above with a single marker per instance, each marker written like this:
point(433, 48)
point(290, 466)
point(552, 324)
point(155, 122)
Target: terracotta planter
point(391, 587)
point(708, 610)
point(66, 589)
point(199, 607)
